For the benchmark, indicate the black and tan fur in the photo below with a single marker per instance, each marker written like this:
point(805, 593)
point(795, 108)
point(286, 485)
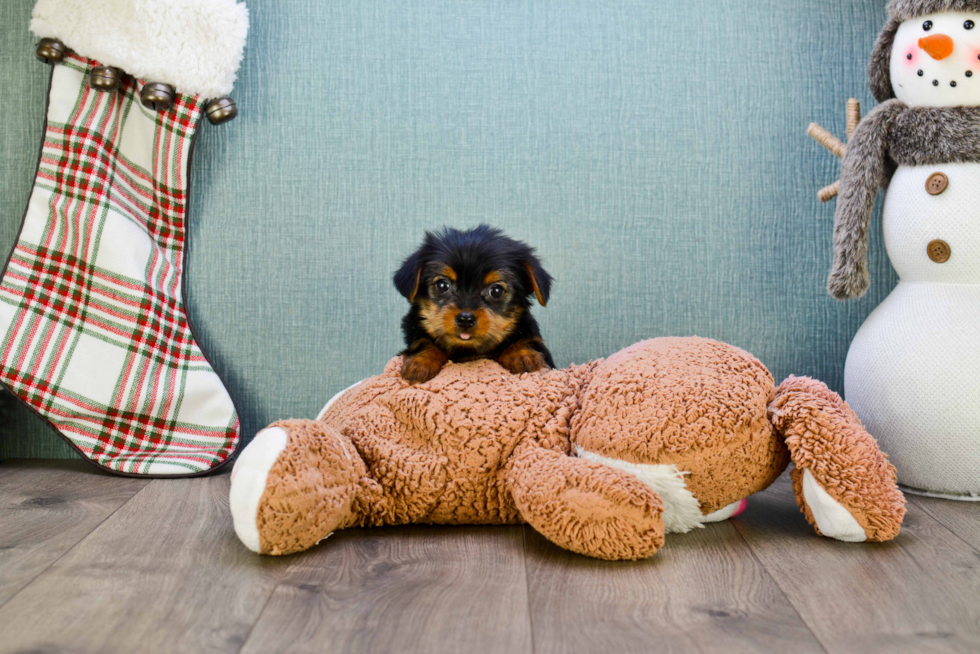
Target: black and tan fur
point(474, 283)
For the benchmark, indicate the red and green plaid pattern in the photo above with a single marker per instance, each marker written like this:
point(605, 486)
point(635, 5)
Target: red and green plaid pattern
point(95, 338)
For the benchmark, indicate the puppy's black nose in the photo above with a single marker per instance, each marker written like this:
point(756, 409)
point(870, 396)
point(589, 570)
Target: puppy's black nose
point(465, 319)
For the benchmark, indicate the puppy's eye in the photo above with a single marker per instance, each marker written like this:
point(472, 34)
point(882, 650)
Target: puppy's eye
point(926, 26)
point(968, 25)
point(496, 291)
point(442, 286)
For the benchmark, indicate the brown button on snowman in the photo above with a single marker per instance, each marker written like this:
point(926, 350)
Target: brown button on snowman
point(913, 370)
point(936, 183)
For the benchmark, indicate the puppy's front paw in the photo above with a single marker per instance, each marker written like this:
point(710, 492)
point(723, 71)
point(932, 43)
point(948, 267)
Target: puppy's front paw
point(423, 366)
point(519, 358)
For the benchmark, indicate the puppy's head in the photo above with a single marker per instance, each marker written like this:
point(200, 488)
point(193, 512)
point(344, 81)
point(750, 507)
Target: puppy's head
point(471, 287)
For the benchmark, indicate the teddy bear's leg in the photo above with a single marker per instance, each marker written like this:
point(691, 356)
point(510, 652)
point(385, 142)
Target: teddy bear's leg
point(293, 485)
point(586, 507)
point(843, 482)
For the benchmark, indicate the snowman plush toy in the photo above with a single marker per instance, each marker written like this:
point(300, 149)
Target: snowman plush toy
point(913, 369)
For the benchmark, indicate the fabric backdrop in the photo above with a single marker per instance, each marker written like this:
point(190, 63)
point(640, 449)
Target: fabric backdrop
point(654, 153)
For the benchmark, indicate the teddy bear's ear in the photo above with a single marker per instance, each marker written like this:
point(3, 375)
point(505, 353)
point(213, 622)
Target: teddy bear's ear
point(539, 279)
point(409, 275)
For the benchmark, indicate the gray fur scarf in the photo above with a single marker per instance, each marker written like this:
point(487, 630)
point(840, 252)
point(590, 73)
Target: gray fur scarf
point(893, 134)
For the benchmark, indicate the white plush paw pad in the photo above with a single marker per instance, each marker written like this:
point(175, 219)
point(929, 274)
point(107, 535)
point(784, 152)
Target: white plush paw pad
point(248, 479)
point(832, 519)
point(726, 512)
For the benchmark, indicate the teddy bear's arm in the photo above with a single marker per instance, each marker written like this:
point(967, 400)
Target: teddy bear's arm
point(584, 506)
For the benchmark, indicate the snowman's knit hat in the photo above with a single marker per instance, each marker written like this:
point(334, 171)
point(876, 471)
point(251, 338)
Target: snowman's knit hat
point(900, 11)
point(903, 10)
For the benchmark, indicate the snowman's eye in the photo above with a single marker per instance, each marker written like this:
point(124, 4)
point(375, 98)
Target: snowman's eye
point(968, 25)
point(926, 26)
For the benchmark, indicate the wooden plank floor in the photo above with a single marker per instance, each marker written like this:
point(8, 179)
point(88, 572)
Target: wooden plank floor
point(93, 563)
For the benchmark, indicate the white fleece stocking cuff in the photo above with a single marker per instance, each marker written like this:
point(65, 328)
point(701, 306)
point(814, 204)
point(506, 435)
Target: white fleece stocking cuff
point(193, 45)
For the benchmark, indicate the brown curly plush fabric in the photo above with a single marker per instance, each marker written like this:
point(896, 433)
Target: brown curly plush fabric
point(587, 507)
point(701, 408)
point(440, 452)
point(826, 437)
point(478, 445)
point(311, 488)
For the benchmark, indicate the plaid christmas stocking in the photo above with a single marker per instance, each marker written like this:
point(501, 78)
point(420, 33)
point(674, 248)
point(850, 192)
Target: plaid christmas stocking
point(93, 331)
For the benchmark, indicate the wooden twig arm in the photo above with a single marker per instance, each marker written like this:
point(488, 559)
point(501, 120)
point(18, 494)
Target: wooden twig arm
point(828, 193)
point(826, 139)
point(853, 116)
point(834, 144)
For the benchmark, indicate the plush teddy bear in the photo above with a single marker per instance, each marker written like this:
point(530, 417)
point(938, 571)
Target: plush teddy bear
point(603, 459)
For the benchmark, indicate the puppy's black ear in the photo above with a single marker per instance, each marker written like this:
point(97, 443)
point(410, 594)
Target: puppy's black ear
point(409, 275)
point(539, 279)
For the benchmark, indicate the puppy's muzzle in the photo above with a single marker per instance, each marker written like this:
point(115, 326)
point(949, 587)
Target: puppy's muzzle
point(465, 320)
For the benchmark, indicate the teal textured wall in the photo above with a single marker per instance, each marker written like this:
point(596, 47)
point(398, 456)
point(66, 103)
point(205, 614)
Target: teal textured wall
point(654, 153)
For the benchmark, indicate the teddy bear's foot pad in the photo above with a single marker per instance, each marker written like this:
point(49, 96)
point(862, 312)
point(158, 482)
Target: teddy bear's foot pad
point(833, 520)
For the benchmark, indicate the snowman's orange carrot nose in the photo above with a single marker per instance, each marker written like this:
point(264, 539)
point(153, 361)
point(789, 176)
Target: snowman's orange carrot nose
point(939, 46)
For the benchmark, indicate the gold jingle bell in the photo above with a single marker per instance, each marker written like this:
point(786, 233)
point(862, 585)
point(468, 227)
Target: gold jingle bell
point(221, 110)
point(50, 51)
point(157, 96)
point(105, 78)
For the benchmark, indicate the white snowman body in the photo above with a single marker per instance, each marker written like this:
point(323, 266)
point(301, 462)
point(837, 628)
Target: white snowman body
point(913, 370)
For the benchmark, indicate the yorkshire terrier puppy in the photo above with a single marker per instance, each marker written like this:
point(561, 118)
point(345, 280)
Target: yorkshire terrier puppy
point(469, 292)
